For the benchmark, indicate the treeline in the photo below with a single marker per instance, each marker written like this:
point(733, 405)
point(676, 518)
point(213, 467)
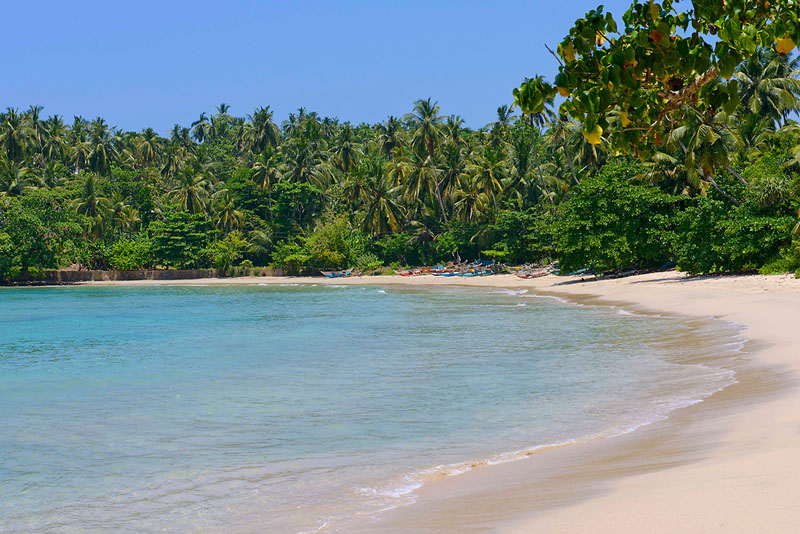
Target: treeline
point(315, 193)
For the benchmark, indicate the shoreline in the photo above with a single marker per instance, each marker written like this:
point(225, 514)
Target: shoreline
point(728, 463)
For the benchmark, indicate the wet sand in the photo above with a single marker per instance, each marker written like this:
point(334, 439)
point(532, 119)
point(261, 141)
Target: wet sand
point(728, 464)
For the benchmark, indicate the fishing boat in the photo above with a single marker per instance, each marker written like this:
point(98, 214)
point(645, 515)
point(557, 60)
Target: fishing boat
point(410, 272)
point(337, 274)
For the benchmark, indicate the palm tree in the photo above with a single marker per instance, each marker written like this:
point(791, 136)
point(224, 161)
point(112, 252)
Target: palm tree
point(264, 132)
point(537, 121)
point(454, 131)
point(200, 128)
point(471, 200)
point(769, 84)
point(227, 216)
point(454, 166)
point(55, 142)
point(52, 174)
point(103, 154)
point(191, 192)
point(426, 138)
point(707, 147)
point(558, 139)
point(149, 147)
point(346, 152)
point(12, 180)
point(14, 142)
point(390, 138)
point(383, 213)
point(90, 203)
point(260, 243)
point(489, 167)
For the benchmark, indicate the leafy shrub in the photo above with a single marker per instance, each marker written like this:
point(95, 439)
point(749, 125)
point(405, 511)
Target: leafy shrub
point(786, 262)
point(225, 252)
point(9, 263)
point(521, 236)
point(716, 238)
point(612, 223)
point(131, 254)
point(368, 262)
point(179, 240)
point(290, 256)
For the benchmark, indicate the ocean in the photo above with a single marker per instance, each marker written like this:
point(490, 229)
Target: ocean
point(288, 408)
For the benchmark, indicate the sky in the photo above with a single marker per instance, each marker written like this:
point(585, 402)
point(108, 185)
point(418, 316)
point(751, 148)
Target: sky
point(153, 64)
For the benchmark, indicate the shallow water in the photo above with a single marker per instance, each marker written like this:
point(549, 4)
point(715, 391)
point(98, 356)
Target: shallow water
point(293, 408)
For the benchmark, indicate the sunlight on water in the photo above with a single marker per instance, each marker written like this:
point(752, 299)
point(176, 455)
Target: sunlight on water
point(283, 409)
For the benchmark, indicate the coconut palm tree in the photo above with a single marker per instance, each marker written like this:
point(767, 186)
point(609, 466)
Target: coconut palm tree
point(769, 84)
point(383, 213)
point(390, 137)
point(227, 217)
point(191, 192)
point(557, 137)
point(91, 203)
point(200, 128)
point(149, 148)
point(707, 147)
point(347, 152)
point(14, 142)
point(490, 169)
point(426, 139)
point(264, 132)
point(54, 145)
point(470, 199)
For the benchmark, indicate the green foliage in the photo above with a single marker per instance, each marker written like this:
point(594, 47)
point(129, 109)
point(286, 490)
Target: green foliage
point(225, 252)
point(296, 205)
point(460, 240)
point(657, 58)
point(179, 240)
point(367, 261)
point(771, 185)
point(787, 261)
point(715, 238)
point(330, 245)
point(612, 223)
point(9, 263)
point(521, 236)
point(290, 256)
point(41, 228)
point(131, 254)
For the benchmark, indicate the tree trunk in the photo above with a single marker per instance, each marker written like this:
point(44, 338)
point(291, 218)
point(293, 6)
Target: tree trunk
point(538, 166)
point(725, 193)
point(438, 192)
point(738, 176)
point(569, 160)
point(16, 177)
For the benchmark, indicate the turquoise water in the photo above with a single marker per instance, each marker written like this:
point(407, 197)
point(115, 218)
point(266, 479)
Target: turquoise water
point(291, 409)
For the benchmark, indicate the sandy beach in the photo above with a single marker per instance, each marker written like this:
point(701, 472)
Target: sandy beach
point(728, 464)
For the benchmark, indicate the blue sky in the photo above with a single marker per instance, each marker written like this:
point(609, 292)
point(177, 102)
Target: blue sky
point(140, 64)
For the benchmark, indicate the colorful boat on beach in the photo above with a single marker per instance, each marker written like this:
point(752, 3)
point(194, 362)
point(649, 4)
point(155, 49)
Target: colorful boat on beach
point(337, 274)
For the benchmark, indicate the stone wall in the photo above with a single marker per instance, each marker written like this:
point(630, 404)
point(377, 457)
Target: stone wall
point(51, 277)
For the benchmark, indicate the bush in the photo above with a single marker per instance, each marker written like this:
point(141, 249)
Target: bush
point(521, 236)
point(401, 248)
point(717, 238)
point(180, 240)
point(131, 254)
point(290, 256)
point(612, 223)
point(786, 262)
point(9, 262)
point(225, 252)
point(330, 245)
